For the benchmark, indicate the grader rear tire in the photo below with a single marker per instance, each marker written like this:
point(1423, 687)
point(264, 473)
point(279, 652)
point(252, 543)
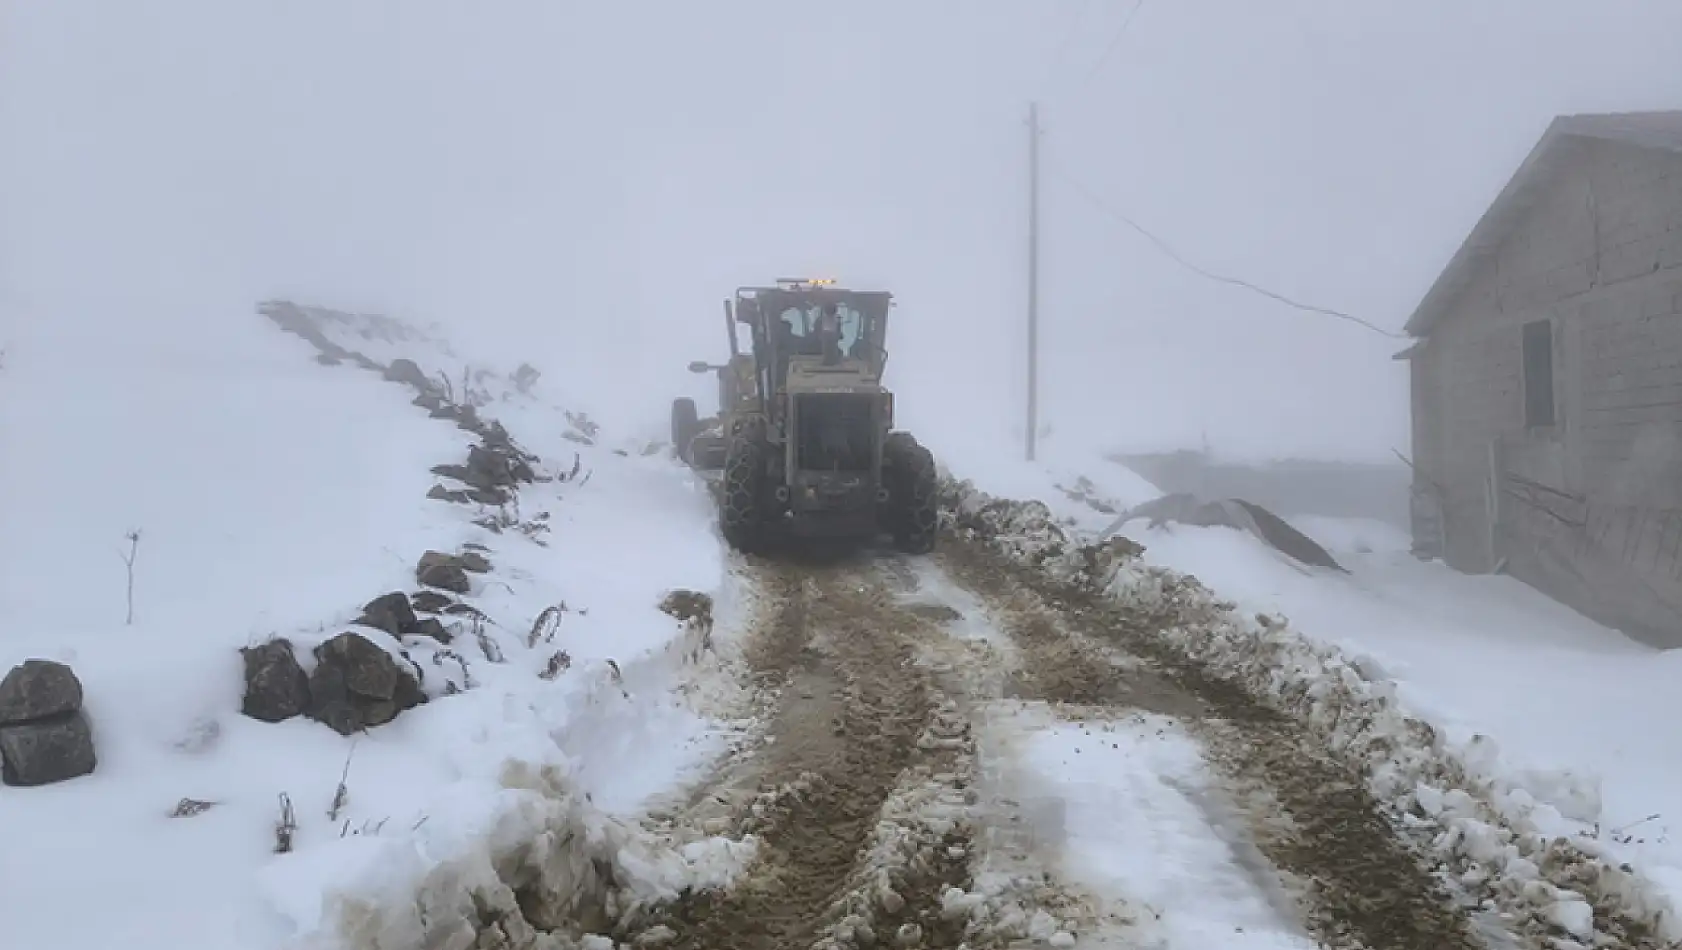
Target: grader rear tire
point(741, 514)
point(912, 516)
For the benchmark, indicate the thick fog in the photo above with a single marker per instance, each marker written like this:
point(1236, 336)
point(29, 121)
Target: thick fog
point(580, 184)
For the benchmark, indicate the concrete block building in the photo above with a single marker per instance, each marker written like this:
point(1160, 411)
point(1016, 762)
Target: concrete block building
point(1547, 379)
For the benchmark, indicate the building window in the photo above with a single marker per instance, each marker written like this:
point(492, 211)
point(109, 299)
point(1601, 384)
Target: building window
point(1538, 374)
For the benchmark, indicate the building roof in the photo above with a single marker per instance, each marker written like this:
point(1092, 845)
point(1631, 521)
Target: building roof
point(1657, 130)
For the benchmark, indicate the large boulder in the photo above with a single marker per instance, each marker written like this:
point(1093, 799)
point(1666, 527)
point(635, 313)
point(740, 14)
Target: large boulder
point(357, 684)
point(276, 687)
point(44, 734)
point(46, 751)
point(37, 689)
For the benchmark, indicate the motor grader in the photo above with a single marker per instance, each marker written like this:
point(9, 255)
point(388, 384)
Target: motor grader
point(803, 446)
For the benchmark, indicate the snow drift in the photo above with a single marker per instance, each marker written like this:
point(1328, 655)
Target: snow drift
point(278, 488)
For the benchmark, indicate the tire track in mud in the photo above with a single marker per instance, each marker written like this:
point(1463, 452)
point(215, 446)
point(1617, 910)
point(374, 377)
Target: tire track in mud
point(855, 717)
point(1357, 883)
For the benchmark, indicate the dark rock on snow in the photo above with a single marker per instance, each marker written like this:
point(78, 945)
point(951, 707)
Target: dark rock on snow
point(276, 687)
point(452, 495)
point(494, 497)
point(487, 467)
point(434, 628)
point(356, 684)
point(36, 689)
point(449, 571)
point(408, 371)
point(391, 613)
point(430, 601)
point(44, 735)
point(368, 670)
point(49, 750)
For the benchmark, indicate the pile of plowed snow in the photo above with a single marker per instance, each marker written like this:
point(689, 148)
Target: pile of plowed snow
point(1495, 840)
point(497, 560)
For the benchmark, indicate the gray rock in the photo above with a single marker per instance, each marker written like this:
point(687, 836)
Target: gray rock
point(455, 496)
point(37, 689)
point(408, 371)
point(442, 571)
point(331, 703)
point(368, 670)
point(487, 467)
point(434, 628)
point(390, 612)
point(430, 601)
point(491, 497)
point(47, 750)
point(276, 687)
point(357, 685)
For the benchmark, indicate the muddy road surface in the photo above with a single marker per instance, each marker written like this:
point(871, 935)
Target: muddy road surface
point(855, 719)
point(1355, 882)
point(876, 825)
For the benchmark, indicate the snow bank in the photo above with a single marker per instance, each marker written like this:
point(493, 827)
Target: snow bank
point(1491, 834)
point(275, 495)
point(1579, 716)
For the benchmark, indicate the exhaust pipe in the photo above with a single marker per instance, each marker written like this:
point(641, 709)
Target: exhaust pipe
point(881, 496)
point(781, 493)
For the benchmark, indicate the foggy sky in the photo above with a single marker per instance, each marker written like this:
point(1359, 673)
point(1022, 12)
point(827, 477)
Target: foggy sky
point(581, 183)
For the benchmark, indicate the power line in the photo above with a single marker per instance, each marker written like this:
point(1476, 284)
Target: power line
point(1169, 251)
point(1110, 48)
point(1062, 53)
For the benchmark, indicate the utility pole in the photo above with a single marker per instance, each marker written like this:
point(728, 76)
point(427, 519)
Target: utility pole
point(1033, 277)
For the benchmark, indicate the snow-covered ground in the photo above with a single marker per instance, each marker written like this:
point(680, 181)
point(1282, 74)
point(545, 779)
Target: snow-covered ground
point(1127, 809)
point(275, 496)
point(1575, 728)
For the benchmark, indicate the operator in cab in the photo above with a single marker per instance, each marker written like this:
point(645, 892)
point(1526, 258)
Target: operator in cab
point(829, 334)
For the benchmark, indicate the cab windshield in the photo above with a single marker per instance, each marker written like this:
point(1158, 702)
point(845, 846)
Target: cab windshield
point(801, 325)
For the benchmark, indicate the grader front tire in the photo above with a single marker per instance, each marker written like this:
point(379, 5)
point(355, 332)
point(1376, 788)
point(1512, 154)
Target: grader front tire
point(741, 513)
point(913, 515)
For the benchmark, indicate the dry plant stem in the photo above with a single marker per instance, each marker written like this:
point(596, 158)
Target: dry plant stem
point(133, 538)
point(342, 793)
point(286, 826)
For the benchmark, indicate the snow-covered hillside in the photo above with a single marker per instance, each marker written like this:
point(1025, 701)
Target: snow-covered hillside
point(274, 496)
